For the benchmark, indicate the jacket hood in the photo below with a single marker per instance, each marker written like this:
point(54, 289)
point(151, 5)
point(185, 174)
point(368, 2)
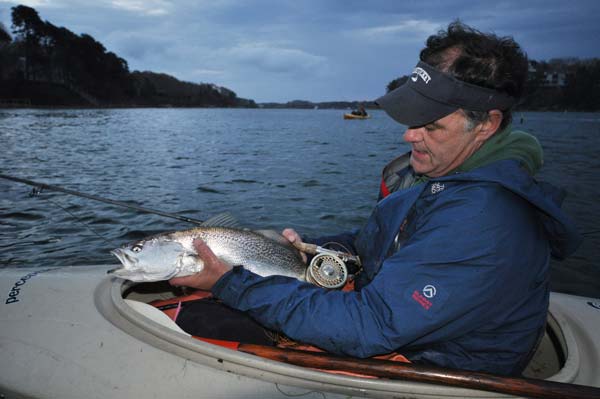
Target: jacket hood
point(514, 175)
point(507, 144)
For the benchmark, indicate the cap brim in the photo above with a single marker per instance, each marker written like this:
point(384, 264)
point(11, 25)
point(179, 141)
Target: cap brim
point(411, 108)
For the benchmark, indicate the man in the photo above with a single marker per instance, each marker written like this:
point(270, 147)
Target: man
point(456, 253)
point(360, 111)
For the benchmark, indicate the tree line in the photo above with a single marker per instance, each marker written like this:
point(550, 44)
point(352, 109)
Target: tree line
point(51, 65)
point(561, 84)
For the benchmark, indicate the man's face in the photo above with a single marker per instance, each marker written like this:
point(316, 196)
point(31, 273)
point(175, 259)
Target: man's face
point(441, 146)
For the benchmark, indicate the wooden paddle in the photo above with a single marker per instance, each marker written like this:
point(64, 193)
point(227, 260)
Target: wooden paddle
point(435, 375)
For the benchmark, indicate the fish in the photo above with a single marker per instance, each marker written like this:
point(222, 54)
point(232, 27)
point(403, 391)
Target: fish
point(167, 255)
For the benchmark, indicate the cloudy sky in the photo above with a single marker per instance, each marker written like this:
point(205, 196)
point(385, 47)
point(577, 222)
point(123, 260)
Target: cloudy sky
point(317, 50)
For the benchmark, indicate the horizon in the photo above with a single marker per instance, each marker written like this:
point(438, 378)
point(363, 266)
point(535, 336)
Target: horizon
point(277, 52)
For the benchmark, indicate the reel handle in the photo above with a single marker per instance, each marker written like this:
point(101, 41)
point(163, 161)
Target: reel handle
point(312, 249)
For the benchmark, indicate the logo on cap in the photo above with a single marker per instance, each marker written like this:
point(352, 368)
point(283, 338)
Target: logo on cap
point(420, 72)
point(437, 187)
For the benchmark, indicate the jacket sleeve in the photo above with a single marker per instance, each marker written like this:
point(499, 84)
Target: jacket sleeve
point(442, 283)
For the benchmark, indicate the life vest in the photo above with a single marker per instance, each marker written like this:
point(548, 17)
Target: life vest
point(396, 175)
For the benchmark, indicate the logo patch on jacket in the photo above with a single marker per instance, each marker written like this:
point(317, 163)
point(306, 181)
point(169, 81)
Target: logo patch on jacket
point(421, 299)
point(428, 296)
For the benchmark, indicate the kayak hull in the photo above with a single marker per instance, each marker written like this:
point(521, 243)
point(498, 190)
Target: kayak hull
point(72, 332)
point(352, 116)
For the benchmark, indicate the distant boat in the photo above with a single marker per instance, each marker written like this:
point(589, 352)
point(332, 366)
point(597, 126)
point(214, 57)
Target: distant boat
point(352, 116)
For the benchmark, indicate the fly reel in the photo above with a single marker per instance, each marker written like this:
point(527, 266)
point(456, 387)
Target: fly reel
point(327, 270)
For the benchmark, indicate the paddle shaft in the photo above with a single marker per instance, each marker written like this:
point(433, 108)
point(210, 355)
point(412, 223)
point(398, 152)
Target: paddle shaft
point(101, 199)
point(413, 372)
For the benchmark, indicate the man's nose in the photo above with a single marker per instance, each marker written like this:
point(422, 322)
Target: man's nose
point(412, 135)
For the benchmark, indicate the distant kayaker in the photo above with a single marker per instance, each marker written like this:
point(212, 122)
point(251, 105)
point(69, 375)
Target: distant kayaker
point(360, 111)
point(456, 252)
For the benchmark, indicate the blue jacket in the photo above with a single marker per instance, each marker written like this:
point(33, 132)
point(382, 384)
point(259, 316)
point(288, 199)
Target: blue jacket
point(468, 287)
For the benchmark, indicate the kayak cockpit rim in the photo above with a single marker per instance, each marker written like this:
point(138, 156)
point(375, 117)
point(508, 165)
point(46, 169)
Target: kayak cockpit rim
point(110, 298)
point(111, 304)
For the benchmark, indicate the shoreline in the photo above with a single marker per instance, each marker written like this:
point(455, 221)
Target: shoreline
point(84, 107)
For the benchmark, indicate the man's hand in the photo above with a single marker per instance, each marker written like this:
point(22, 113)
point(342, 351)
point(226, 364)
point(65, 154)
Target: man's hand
point(214, 268)
point(292, 236)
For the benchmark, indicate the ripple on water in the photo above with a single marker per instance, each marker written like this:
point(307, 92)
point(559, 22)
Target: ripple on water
point(25, 216)
point(311, 183)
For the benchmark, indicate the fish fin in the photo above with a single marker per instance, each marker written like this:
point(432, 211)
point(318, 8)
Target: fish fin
point(278, 238)
point(224, 219)
point(273, 235)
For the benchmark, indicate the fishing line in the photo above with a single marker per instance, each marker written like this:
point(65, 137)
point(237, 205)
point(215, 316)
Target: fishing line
point(40, 186)
point(81, 222)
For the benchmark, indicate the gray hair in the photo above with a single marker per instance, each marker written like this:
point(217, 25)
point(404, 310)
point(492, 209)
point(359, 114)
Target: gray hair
point(474, 118)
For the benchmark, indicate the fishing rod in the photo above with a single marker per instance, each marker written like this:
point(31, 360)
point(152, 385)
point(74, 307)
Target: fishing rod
point(100, 199)
point(126, 205)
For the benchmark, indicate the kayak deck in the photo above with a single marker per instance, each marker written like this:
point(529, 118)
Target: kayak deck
point(73, 332)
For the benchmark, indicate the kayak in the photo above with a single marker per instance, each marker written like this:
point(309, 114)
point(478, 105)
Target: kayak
point(352, 116)
point(78, 332)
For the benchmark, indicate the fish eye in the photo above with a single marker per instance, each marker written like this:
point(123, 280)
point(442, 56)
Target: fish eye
point(136, 248)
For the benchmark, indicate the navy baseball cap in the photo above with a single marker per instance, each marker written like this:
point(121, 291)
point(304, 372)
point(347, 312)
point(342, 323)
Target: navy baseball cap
point(430, 94)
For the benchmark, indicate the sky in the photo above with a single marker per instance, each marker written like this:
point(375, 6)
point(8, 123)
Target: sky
point(314, 50)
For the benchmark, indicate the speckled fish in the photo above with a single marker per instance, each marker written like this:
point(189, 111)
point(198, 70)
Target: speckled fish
point(168, 255)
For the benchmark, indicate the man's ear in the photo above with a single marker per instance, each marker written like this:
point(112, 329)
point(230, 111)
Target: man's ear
point(486, 129)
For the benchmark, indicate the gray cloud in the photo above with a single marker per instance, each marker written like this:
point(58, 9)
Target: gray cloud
point(267, 57)
point(273, 50)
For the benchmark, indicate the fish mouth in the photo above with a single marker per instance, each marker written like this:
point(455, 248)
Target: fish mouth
point(124, 257)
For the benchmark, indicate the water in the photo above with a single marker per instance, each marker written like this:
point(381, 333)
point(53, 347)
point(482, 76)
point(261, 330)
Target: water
point(308, 169)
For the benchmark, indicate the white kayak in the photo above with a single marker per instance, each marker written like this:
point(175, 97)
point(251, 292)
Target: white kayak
point(76, 332)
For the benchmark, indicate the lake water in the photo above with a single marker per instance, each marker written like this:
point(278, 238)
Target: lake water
point(307, 169)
